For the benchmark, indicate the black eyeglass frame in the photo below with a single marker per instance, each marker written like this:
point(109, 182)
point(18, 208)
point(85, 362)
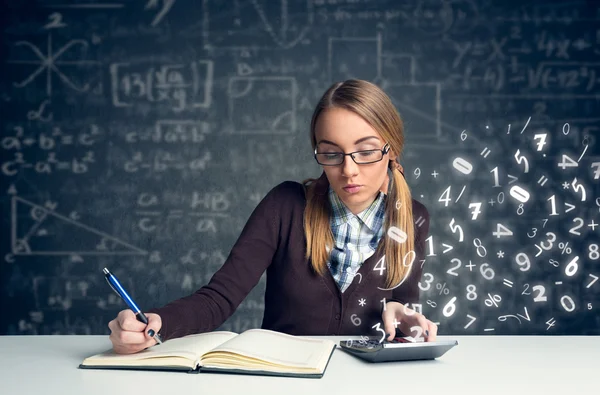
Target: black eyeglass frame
point(384, 150)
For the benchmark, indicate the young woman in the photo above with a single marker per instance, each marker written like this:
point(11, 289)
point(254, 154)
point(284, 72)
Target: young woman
point(342, 253)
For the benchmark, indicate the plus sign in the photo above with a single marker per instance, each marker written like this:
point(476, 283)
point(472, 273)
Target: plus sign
point(396, 323)
point(492, 202)
point(435, 174)
point(593, 225)
point(470, 266)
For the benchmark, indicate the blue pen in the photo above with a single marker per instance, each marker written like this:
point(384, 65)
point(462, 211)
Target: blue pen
point(116, 286)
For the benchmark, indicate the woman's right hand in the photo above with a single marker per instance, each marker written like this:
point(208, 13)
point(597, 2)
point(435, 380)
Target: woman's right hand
point(128, 335)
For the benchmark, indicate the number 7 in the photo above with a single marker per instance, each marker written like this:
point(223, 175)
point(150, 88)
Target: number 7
point(596, 165)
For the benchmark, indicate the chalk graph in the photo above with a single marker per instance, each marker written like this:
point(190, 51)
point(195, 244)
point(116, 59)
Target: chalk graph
point(50, 63)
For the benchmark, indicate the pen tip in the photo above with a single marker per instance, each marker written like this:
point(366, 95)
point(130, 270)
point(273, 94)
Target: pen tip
point(105, 271)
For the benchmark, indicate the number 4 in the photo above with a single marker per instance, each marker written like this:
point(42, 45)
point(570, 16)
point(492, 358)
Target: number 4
point(380, 268)
point(567, 162)
point(502, 230)
point(447, 198)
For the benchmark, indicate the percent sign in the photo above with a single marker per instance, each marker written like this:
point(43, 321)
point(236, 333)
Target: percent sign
point(493, 300)
point(565, 248)
point(443, 289)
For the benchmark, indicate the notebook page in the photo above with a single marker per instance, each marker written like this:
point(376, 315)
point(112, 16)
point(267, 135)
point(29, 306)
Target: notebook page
point(279, 348)
point(190, 347)
point(197, 344)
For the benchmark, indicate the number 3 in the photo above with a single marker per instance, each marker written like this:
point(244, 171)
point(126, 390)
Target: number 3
point(553, 236)
point(378, 327)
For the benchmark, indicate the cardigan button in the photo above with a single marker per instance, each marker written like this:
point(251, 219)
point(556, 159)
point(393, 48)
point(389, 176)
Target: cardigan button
point(337, 316)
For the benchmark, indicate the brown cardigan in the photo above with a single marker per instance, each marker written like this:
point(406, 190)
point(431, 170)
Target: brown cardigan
point(297, 301)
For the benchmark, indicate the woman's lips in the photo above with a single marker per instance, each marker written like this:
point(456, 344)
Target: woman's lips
point(352, 189)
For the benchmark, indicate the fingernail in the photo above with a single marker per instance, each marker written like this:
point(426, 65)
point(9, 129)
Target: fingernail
point(151, 332)
point(427, 333)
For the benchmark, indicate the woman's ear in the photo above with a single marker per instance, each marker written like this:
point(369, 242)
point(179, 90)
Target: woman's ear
point(392, 155)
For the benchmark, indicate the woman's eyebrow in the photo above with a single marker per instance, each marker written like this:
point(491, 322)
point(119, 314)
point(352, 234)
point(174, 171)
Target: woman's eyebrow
point(356, 142)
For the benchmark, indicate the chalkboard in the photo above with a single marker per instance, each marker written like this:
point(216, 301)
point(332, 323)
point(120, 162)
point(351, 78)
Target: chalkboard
point(140, 135)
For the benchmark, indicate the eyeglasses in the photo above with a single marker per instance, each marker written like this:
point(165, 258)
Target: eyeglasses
point(359, 157)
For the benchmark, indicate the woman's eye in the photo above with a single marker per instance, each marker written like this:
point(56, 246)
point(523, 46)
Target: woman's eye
point(367, 153)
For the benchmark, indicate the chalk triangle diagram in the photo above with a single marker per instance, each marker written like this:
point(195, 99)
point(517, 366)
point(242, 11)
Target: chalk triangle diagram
point(37, 230)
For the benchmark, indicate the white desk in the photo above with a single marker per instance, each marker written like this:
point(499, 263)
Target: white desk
point(482, 365)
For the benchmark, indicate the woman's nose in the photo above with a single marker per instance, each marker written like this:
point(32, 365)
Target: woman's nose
point(349, 167)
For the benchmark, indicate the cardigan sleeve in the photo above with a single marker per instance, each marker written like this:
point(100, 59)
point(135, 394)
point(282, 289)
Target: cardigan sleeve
point(212, 304)
point(408, 292)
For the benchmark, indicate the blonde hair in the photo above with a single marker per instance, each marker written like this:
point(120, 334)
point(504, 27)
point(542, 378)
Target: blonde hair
point(372, 104)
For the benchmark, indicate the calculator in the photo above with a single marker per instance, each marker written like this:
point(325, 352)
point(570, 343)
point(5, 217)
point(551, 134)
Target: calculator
point(372, 349)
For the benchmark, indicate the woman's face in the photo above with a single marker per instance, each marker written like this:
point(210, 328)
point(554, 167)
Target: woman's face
point(341, 130)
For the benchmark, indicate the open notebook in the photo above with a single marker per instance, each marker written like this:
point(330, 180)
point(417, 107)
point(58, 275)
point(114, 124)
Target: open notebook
point(255, 351)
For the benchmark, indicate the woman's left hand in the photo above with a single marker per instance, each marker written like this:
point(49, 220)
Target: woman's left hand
point(411, 323)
